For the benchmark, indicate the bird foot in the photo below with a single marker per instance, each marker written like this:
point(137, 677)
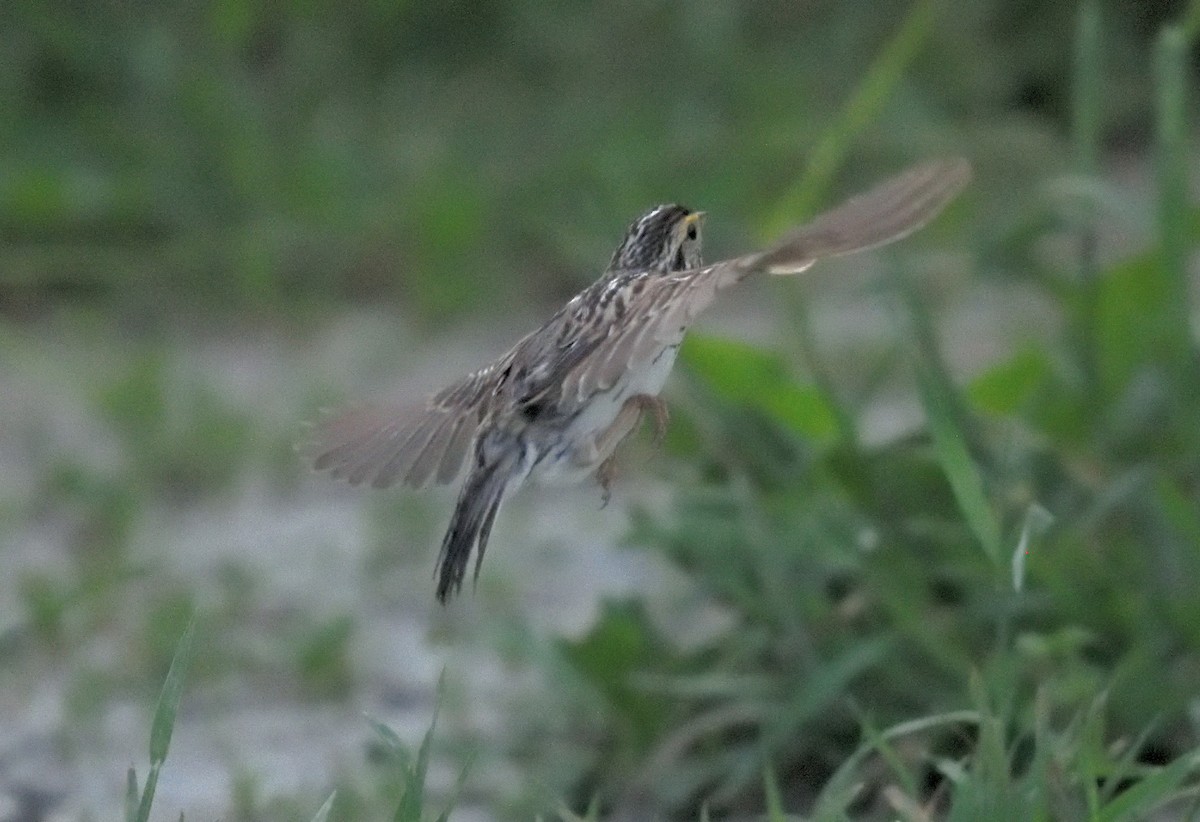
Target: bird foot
point(636, 405)
point(656, 406)
point(605, 475)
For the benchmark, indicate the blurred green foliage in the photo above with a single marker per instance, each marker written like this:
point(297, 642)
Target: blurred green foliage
point(242, 155)
point(1031, 559)
point(901, 637)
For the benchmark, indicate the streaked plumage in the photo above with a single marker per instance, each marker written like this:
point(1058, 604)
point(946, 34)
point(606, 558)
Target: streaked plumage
point(556, 405)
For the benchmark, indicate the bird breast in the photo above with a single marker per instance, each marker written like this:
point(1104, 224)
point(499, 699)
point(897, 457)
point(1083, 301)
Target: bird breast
point(596, 416)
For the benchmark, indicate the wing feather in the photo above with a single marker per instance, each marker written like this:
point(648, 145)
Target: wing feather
point(888, 212)
point(399, 460)
point(390, 454)
point(604, 369)
point(668, 305)
point(457, 449)
point(427, 462)
point(412, 445)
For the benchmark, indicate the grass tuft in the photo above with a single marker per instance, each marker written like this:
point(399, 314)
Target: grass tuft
point(161, 728)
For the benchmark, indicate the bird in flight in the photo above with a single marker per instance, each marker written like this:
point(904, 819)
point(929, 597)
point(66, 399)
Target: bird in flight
point(556, 406)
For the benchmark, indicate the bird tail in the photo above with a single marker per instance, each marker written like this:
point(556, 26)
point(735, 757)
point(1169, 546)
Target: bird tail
point(470, 525)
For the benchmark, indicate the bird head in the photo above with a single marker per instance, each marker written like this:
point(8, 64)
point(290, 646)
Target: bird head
point(666, 238)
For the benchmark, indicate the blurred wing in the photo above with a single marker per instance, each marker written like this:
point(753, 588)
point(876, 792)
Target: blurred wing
point(414, 446)
point(889, 212)
point(661, 313)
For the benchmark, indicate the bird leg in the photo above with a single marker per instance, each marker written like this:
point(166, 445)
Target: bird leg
point(627, 419)
point(605, 475)
point(662, 414)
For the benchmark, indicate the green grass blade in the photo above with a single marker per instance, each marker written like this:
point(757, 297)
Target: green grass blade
point(168, 700)
point(164, 716)
point(1037, 520)
point(1124, 767)
point(413, 800)
point(1151, 792)
point(1091, 759)
point(1191, 21)
point(873, 92)
point(1171, 72)
point(1039, 777)
point(888, 754)
point(444, 816)
point(1086, 89)
point(131, 795)
point(964, 477)
point(771, 788)
point(391, 741)
point(1087, 83)
point(868, 99)
point(322, 813)
point(840, 790)
point(143, 813)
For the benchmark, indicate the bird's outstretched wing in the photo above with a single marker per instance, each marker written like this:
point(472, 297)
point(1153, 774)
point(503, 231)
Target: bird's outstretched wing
point(662, 310)
point(413, 445)
point(888, 212)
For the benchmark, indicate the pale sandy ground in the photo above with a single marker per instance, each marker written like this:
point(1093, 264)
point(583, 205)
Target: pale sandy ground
point(554, 555)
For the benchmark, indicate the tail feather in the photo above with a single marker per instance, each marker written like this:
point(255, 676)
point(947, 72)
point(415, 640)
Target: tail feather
point(470, 526)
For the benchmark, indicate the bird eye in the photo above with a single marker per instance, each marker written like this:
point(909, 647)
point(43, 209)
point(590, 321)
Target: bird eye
point(691, 233)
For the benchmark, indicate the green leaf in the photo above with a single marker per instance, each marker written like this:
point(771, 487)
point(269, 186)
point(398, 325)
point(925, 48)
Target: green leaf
point(620, 646)
point(1179, 509)
point(741, 373)
point(1130, 292)
point(965, 480)
point(1005, 388)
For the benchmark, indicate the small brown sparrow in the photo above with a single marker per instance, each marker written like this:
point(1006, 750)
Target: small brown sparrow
point(560, 401)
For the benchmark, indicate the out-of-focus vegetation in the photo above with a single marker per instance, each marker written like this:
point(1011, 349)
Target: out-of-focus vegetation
point(251, 154)
point(994, 617)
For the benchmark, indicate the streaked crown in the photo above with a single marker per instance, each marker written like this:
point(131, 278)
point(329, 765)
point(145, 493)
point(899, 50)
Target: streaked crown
point(665, 238)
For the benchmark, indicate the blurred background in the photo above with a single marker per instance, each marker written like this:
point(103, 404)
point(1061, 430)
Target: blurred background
point(923, 541)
